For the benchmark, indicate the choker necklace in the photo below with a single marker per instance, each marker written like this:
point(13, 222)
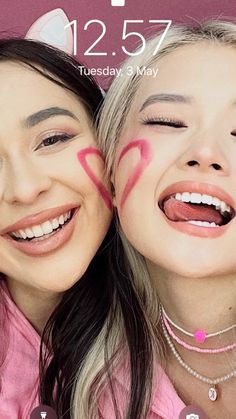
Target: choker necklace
point(213, 391)
point(196, 348)
point(200, 335)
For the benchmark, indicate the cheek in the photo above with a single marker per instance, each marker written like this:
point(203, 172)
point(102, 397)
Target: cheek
point(91, 161)
point(131, 165)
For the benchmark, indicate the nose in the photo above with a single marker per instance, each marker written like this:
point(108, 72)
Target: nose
point(205, 155)
point(24, 182)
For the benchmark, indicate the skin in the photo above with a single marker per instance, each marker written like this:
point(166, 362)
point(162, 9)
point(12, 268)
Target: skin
point(35, 177)
point(194, 276)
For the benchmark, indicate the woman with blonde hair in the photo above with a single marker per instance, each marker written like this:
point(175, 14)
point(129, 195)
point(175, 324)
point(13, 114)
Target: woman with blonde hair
point(169, 142)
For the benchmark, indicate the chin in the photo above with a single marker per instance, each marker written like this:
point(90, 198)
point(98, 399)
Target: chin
point(201, 269)
point(55, 281)
point(185, 265)
point(193, 272)
point(61, 283)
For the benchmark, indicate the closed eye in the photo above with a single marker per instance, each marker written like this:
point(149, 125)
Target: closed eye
point(173, 123)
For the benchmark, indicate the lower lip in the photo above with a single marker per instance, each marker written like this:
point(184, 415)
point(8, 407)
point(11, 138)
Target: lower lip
point(52, 243)
point(194, 230)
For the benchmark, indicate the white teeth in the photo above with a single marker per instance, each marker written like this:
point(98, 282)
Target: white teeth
point(23, 234)
point(216, 202)
point(178, 197)
point(45, 228)
point(205, 199)
point(61, 220)
point(29, 233)
point(186, 197)
point(66, 216)
point(202, 223)
point(197, 198)
point(223, 206)
point(37, 230)
point(16, 234)
point(55, 223)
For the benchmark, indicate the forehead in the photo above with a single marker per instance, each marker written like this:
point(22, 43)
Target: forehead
point(24, 91)
point(189, 69)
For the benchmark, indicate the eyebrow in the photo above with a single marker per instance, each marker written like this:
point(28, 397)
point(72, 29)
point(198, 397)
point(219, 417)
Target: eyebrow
point(166, 97)
point(44, 114)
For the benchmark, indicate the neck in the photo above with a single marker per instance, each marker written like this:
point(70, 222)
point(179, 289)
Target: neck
point(37, 305)
point(200, 303)
point(196, 303)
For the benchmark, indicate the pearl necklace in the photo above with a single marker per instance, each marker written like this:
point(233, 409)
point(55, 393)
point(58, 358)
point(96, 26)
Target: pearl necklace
point(212, 392)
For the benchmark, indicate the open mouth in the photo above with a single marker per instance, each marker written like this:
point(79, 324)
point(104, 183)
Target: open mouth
point(44, 230)
point(198, 209)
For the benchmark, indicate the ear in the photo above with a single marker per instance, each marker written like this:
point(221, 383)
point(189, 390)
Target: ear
point(50, 28)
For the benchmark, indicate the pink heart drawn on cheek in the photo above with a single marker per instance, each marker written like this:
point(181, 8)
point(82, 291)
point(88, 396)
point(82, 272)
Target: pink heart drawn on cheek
point(82, 157)
point(145, 157)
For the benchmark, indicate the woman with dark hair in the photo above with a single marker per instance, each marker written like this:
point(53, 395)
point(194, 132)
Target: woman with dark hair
point(63, 273)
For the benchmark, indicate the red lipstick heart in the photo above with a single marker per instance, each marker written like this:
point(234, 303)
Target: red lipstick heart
point(145, 157)
point(82, 157)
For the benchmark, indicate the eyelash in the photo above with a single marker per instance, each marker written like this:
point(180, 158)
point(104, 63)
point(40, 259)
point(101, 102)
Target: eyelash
point(56, 138)
point(173, 123)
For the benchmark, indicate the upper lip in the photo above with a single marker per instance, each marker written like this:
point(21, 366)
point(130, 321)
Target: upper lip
point(202, 188)
point(38, 218)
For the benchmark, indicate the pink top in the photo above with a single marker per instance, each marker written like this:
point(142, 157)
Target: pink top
point(165, 404)
point(19, 372)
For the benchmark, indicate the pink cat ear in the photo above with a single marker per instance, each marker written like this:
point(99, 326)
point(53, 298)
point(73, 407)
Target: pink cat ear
point(50, 28)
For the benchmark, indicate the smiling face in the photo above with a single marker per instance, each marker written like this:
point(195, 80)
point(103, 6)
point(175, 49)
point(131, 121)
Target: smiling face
point(54, 201)
point(175, 166)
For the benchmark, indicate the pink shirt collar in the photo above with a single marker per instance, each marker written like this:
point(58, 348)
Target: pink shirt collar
point(165, 401)
point(165, 404)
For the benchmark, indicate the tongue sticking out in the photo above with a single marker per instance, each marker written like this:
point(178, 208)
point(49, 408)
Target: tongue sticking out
point(182, 211)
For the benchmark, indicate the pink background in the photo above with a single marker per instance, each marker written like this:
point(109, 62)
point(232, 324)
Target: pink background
point(16, 16)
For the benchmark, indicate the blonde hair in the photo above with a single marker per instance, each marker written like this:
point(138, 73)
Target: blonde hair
point(112, 121)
